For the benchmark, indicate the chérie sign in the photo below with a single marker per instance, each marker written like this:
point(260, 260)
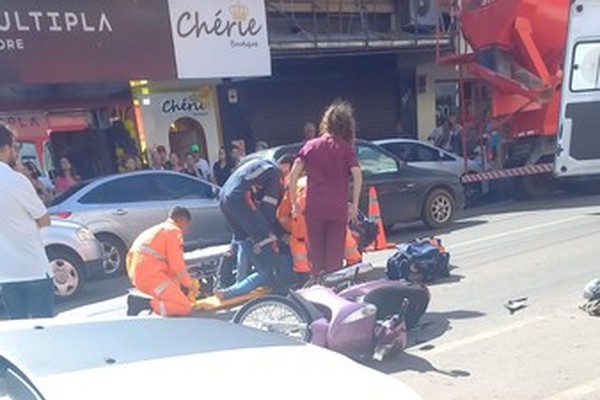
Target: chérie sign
point(55, 41)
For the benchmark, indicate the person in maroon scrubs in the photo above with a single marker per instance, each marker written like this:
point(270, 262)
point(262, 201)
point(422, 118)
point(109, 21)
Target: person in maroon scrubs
point(329, 161)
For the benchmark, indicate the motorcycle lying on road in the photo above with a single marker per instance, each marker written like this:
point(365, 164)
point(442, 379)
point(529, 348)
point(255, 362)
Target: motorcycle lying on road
point(360, 320)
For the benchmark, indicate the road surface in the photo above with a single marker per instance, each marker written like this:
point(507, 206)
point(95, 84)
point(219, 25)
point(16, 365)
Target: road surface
point(468, 346)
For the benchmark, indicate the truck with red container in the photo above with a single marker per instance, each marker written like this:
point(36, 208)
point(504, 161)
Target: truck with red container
point(538, 63)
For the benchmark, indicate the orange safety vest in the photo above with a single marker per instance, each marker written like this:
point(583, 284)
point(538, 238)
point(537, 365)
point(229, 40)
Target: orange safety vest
point(297, 228)
point(155, 266)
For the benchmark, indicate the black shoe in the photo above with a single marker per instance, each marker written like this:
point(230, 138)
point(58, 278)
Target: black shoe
point(137, 304)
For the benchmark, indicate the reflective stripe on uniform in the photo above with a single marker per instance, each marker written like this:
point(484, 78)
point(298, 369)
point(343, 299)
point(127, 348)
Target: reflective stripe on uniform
point(349, 251)
point(162, 308)
point(300, 257)
point(162, 287)
point(151, 252)
point(266, 241)
point(181, 274)
point(270, 200)
point(285, 220)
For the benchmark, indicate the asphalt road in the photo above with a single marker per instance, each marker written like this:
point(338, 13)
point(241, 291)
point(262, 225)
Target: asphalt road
point(468, 346)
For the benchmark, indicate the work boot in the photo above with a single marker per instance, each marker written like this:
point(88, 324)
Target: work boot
point(137, 304)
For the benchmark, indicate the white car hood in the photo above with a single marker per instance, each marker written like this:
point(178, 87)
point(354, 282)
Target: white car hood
point(160, 358)
point(295, 372)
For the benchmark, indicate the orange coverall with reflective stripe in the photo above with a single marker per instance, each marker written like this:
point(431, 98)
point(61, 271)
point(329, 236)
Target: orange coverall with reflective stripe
point(156, 266)
point(297, 228)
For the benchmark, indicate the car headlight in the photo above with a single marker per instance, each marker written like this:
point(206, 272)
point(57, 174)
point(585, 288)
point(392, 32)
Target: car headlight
point(84, 235)
point(365, 312)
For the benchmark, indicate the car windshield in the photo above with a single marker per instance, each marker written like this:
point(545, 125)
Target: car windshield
point(68, 193)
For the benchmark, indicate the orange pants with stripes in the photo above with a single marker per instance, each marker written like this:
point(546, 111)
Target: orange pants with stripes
point(170, 301)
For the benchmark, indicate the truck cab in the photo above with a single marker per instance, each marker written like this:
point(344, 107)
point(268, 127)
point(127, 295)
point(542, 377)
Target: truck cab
point(578, 150)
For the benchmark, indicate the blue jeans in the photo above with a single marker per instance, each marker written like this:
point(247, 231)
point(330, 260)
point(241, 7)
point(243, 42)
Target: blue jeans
point(245, 255)
point(30, 299)
point(263, 270)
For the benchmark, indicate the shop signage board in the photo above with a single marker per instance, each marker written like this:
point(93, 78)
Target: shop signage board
point(55, 41)
point(26, 125)
point(216, 38)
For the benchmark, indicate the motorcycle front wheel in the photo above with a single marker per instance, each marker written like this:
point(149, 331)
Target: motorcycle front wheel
point(276, 314)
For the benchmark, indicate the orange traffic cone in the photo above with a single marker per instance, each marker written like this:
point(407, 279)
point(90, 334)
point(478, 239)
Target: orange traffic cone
point(375, 215)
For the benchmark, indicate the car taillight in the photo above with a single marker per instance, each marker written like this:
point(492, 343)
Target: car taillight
point(61, 215)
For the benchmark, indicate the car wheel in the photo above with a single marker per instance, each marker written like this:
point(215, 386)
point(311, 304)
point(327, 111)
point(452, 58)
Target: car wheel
point(69, 274)
point(113, 255)
point(438, 210)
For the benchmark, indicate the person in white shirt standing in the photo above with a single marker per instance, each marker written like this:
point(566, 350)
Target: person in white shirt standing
point(201, 162)
point(25, 273)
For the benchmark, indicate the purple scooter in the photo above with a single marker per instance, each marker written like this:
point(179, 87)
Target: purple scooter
point(361, 321)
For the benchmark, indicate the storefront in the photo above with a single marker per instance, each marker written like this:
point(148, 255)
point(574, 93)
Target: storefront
point(275, 109)
point(179, 116)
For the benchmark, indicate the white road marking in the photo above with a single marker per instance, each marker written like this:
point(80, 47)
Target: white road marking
point(445, 347)
point(576, 392)
point(515, 232)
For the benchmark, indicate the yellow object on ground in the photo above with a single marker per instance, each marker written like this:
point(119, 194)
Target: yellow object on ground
point(213, 303)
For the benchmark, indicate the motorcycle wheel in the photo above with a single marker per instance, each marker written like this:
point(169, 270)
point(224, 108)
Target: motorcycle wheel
point(276, 314)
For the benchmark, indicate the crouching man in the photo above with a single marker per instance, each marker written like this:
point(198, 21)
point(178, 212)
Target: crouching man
point(156, 267)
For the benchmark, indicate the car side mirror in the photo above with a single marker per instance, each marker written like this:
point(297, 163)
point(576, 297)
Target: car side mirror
point(439, 156)
point(214, 193)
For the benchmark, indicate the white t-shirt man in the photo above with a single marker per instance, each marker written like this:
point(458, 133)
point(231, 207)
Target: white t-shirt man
point(204, 168)
point(23, 257)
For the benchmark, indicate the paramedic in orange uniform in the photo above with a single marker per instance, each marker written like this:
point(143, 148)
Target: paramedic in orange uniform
point(156, 266)
point(296, 226)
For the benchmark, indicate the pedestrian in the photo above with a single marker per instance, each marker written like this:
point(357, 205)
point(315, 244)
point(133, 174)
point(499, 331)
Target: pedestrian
point(67, 177)
point(25, 273)
point(139, 165)
point(222, 168)
point(162, 154)
point(191, 167)
point(32, 172)
point(309, 131)
point(174, 164)
point(155, 266)
point(201, 162)
point(235, 156)
point(156, 161)
point(129, 164)
point(328, 160)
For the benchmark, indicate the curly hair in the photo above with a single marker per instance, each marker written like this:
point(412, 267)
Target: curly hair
point(338, 120)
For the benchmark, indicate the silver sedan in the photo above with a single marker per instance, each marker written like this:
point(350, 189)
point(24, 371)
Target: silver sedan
point(118, 208)
point(74, 254)
point(425, 155)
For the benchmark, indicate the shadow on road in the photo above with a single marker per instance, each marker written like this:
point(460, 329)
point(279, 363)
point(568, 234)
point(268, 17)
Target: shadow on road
point(409, 362)
point(96, 291)
point(432, 325)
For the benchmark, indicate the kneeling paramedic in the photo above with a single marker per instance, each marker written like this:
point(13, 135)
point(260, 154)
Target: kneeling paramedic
point(156, 266)
point(249, 200)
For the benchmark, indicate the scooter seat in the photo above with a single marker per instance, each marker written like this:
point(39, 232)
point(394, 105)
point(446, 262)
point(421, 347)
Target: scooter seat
point(347, 274)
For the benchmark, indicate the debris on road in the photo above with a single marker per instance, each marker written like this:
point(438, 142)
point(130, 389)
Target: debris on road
point(515, 305)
